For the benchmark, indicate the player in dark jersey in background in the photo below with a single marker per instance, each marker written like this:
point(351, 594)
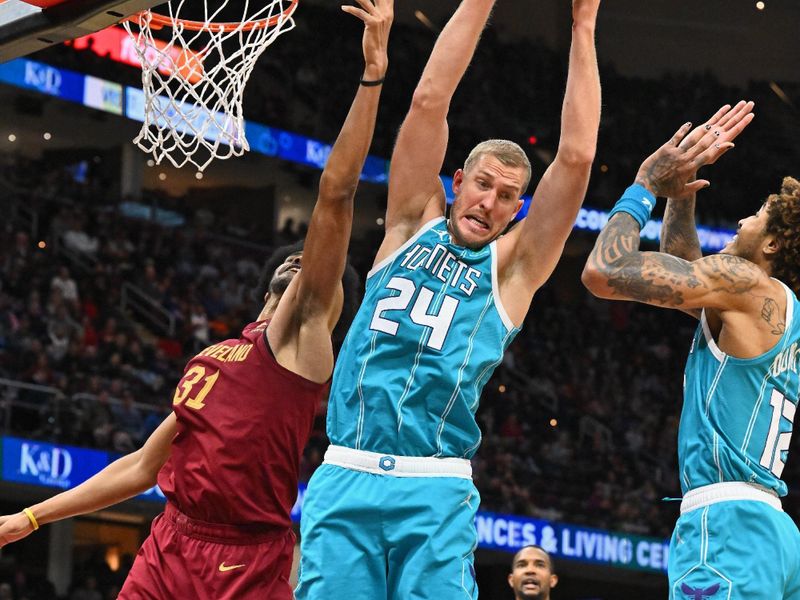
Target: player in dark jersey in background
point(228, 457)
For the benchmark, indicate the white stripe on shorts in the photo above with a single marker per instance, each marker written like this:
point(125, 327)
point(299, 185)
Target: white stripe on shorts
point(397, 466)
point(729, 490)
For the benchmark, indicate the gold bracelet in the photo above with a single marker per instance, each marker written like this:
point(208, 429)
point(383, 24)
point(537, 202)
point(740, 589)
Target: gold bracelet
point(29, 513)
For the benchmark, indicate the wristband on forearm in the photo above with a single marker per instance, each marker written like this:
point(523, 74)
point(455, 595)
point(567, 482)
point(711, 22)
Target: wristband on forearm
point(638, 202)
point(373, 83)
point(29, 513)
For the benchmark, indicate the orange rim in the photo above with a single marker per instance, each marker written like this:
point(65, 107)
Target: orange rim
point(158, 21)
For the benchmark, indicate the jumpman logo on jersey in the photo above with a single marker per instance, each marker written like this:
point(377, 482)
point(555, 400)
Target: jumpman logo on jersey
point(444, 236)
point(699, 593)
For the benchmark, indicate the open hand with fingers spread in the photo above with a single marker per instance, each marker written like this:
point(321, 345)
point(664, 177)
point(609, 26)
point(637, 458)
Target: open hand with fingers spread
point(377, 16)
point(671, 169)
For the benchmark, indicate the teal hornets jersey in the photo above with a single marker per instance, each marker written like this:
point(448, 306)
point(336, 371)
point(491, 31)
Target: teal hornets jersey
point(426, 339)
point(737, 415)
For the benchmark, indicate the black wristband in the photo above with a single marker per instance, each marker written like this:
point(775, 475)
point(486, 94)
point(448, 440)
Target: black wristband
point(374, 83)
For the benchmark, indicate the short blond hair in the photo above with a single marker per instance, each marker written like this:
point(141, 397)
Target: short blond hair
point(507, 152)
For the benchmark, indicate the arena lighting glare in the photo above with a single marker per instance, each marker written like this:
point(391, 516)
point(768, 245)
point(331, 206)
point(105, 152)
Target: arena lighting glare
point(47, 135)
point(12, 137)
point(760, 5)
point(198, 175)
point(423, 18)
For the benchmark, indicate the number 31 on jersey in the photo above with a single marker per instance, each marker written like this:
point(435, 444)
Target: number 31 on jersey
point(187, 384)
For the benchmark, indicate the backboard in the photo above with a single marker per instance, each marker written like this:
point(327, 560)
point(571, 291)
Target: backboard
point(30, 25)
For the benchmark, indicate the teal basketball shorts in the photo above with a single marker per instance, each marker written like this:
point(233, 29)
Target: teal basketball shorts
point(734, 542)
point(380, 527)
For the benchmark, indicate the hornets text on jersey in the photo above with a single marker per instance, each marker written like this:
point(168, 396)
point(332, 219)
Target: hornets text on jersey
point(426, 339)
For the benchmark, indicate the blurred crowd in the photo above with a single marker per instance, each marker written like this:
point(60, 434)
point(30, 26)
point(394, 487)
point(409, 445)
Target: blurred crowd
point(92, 579)
point(580, 420)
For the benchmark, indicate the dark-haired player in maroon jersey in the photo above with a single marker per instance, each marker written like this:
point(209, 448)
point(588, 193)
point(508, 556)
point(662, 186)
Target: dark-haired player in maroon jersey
point(227, 458)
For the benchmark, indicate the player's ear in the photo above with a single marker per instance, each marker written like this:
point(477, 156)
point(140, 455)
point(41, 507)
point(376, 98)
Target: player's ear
point(511, 580)
point(519, 206)
point(458, 180)
point(771, 246)
point(553, 580)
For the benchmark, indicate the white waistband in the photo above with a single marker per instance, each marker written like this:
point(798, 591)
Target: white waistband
point(731, 490)
point(397, 466)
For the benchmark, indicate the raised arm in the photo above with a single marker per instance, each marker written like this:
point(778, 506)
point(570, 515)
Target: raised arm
point(310, 307)
point(123, 479)
point(415, 191)
point(537, 244)
point(616, 269)
point(679, 233)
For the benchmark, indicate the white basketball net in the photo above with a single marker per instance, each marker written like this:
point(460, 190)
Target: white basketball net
point(194, 83)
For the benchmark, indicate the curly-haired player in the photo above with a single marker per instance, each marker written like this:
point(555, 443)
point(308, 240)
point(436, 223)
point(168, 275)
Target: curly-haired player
point(228, 457)
point(741, 383)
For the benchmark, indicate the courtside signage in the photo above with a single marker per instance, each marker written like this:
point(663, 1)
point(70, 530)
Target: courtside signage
point(102, 95)
point(300, 149)
point(43, 78)
point(510, 533)
point(57, 466)
point(40, 463)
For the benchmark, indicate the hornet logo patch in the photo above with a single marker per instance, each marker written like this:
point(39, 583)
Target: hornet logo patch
point(699, 593)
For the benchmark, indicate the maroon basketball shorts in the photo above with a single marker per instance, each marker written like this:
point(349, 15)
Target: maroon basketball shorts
point(186, 559)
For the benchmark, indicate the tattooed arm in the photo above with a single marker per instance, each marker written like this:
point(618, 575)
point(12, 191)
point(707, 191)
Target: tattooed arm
point(679, 230)
point(679, 234)
point(738, 289)
point(617, 270)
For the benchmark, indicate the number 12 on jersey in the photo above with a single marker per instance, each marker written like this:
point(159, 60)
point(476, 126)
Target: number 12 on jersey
point(777, 441)
point(438, 322)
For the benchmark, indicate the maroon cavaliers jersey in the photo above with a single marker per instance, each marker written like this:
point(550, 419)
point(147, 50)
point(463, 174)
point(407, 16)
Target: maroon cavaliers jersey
point(243, 421)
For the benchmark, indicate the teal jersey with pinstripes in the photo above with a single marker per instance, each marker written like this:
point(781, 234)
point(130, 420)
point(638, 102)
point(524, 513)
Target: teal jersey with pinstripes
point(737, 415)
point(426, 339)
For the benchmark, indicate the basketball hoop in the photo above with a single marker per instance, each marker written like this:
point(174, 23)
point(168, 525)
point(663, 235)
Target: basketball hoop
point(194, 81)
